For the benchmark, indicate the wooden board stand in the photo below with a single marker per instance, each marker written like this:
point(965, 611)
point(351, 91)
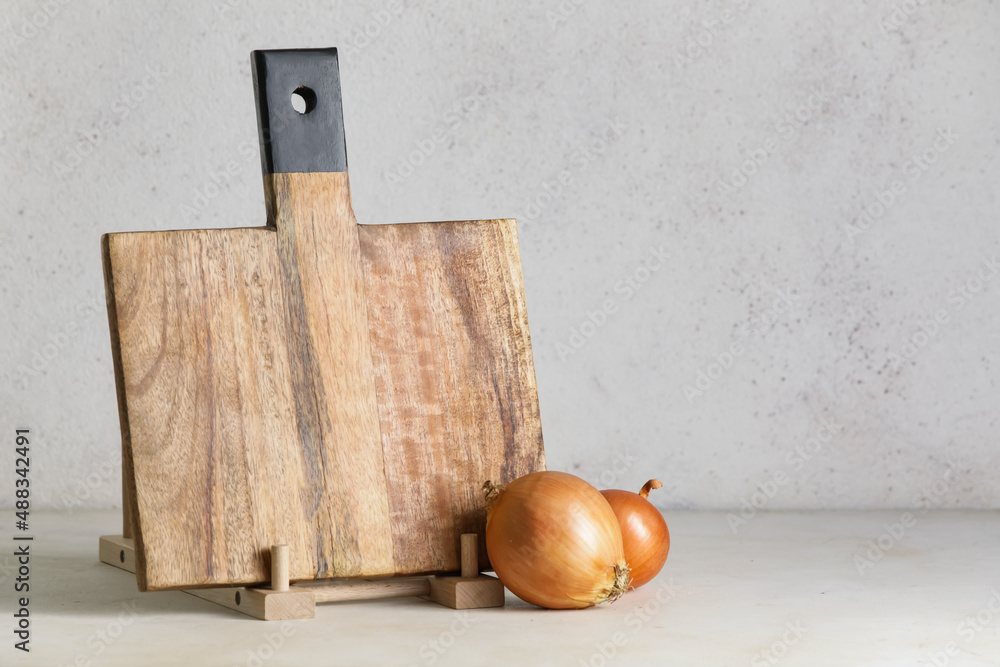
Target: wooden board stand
point(284, 601)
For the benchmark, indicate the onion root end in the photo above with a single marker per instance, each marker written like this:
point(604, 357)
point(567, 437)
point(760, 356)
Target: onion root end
point(620, 586)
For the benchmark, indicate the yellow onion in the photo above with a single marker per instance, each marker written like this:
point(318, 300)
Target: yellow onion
point(554, 541)
point(644, 532)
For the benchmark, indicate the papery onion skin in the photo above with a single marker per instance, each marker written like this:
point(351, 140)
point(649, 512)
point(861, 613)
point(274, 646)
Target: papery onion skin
point(554, 541)
point(645, 537)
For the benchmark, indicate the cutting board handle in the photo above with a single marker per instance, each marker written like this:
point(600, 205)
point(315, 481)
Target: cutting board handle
point(307, 139)
point(331, 370)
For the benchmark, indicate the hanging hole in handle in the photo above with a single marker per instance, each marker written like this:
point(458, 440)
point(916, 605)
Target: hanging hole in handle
point(121, 556)
point(239, 598)
point(303, 100)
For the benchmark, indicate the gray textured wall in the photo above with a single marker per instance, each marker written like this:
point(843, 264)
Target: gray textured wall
point(771, 267)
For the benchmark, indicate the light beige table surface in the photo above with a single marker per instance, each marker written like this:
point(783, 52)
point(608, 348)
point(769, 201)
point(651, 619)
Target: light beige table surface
point(792, 588)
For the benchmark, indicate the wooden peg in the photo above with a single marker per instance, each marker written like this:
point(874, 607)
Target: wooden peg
point(471, 590)
point(470, 555)
point(279, 567)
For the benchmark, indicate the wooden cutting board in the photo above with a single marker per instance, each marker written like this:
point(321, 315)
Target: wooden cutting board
point(342, 389)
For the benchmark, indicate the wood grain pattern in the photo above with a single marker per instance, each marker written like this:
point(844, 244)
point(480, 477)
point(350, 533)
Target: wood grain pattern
point(340, 389)
point(333, 380)
point(209, 402)
point(457, 398)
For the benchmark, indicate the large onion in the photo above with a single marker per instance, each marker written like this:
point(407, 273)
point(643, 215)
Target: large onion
point(644, 532)
point(554, 541)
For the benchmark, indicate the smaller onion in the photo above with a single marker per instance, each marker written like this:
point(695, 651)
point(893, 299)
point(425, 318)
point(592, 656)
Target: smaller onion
point(553, 541)
point(644, 532)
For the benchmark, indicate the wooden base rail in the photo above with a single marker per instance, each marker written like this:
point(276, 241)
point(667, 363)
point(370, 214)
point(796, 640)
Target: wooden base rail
point(284, 601)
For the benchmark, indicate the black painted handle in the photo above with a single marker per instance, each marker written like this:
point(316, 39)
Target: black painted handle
point(306, 140)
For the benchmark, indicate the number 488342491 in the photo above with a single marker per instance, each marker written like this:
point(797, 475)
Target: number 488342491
point(22, 465)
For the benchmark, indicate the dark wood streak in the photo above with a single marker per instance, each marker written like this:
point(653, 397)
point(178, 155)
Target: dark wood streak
point(310, 397)
point(317, 408)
